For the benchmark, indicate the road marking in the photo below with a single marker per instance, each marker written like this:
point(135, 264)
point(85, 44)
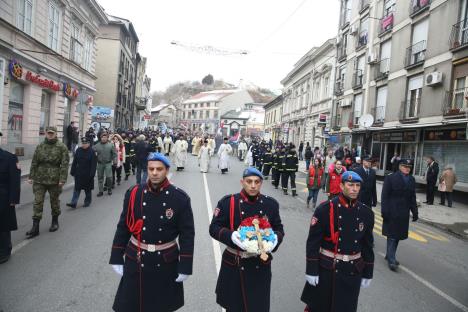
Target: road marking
point(432, 287)
point(300, 199)
point(301, 183)
point(21, 245)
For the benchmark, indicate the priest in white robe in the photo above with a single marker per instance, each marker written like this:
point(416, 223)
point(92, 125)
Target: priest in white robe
point(180, 153)
point(223, 153)
point(204, 157)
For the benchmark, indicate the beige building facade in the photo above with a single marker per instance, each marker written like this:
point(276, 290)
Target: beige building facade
point(273, 113)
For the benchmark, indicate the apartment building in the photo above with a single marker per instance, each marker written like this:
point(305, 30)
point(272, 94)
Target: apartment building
point(143, 99)
point(47, 68)
point(273, 113)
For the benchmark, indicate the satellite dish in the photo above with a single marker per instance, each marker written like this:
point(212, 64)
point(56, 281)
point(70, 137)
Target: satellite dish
point(366, 121)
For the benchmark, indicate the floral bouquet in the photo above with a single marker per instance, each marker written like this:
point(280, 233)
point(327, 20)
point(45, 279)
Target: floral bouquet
point(257, 236)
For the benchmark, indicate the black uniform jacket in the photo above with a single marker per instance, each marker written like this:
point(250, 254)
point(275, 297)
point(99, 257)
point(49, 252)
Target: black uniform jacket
point(290, 162)
point(84, 168)
point(267, 158)
point(244, 283)
point(165, 215)
point(368, 192)
point(10, 181)
point(398, 199)
point(339, 281)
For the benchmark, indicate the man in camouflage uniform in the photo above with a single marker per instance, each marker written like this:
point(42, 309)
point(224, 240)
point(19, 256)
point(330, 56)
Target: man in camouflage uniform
point(49, 172)
point(106, 156)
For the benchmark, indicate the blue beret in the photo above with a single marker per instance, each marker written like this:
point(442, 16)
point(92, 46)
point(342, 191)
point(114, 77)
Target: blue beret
point(351, 176)
point(251, 171)
point(159, 157)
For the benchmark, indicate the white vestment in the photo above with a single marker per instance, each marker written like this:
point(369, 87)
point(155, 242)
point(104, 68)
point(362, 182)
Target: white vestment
point(180, 153)
point(223, 153)
point(204, 157)
point(168, 146)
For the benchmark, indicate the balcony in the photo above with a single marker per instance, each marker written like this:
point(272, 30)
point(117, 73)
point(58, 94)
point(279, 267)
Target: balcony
point(381, 69)
point(386, 24)
point(362, 40)
point(456, 103)
point(379, 115)
point(459, 36)
point(341, 52)
point(415, 55)
point(358, 79)
point(418, 6)
point(409, 110)
point(339, 88)
point(336, 122)
point(363, 5)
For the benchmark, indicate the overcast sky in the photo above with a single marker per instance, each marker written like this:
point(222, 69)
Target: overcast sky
point(274, 37)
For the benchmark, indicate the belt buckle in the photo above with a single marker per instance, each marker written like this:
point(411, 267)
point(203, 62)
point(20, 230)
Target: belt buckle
point(151, 248)
point(345, 258)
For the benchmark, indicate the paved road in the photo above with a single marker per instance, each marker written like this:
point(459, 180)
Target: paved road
point(68, 270)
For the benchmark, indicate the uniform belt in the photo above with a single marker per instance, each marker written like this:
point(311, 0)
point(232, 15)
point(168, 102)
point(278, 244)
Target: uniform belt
point(152, 247)
point(104, 162)
point(242, 254)
point(345, 258)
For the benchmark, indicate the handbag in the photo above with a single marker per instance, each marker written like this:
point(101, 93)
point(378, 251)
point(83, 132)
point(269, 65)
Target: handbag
point(442, 187)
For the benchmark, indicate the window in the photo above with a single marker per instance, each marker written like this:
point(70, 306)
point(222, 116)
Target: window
point(389, 7)
point(416, 53)
point(381, 103)
point(54, 25)
point(207, 114)
point(24, 19)
point(326, 81)
point(215, 114)
point(459, 93)
point(88, 52)
point(45, 112)
point(346, 12)
point(413, 98)
point(363, 32)
point(75, 44)
point(15, 113)
point(357, 108)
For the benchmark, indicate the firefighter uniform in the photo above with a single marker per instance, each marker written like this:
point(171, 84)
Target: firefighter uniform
point(267, 161)
point(129, 164)
point(278, 168)
point(290, 167)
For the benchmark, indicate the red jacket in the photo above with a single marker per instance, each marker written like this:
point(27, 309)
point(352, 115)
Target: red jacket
point(334, 180)
point(312, 176)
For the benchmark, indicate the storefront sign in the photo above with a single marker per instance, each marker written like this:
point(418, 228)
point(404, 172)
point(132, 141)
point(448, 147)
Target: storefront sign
point(445, 135)
point(322, 119)
point(42, 82)
point(401, 136)
point(16, 70)
point(69, 92)
point(147, 117)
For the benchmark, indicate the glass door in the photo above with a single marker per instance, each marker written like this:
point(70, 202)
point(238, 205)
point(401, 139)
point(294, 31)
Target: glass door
point(15, 113)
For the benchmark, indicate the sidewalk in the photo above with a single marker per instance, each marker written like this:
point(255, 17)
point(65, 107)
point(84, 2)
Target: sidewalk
point(453, 220)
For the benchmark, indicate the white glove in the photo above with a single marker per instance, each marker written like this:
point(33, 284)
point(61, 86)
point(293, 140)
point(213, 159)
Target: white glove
point(312, 280)
point(118, 268)
point(365, 282)
point(181, 278)
point(235, 237)
point(275, 243)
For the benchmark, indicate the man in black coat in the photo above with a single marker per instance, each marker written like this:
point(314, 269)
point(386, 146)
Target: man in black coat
point(368, 192)
point(432, 173)
point(153, 243)
point(142, 150)
point(10, 179)
point(244, 279)
point(83, 169)
point(398, 199)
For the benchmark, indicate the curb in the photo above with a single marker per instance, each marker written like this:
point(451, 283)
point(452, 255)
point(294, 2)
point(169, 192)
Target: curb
point(66, 187)
point(445, 229)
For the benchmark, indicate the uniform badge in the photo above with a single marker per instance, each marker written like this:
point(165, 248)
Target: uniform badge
point(361, 227)
point(216, 211)
point(169, 213)
point(314, 221)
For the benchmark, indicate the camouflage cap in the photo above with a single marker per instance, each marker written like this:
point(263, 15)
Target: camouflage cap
point(51, 129)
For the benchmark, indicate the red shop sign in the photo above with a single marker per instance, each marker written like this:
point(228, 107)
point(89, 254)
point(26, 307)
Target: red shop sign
point(42, 82)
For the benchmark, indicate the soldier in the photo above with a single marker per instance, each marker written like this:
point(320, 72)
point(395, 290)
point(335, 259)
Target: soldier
point(83, 169)
point(10, 188)
point(244, 278)
point(278, 163)
point(106, 156)
point(340, 252)
point(290, 167)
point(49, 172)
point(156, 214)
point(398, 199)
point(267, 161)
point(368, 192)
point(129, 165)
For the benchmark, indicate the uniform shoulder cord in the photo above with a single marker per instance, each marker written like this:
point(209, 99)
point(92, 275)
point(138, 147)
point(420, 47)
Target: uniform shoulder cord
point(231, 217)
point(333, 235)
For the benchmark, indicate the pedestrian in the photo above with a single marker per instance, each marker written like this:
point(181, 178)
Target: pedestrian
point(447, 181)
point(69, 135)
point(332, 184)
point(48, 173)
point(91, 135)
point(211, 143)
point(223, 153)
point(340, 154)
point(339, 262)
point(83, 169)
point(398, 199)
point(153, 243)
point(168, 146)
point(117, 166)
point(129, 164)
point(106, 157)
point(290, 167)
point(267, 161)
point(75, 138)
point(308, 156)
point(432, 173)
point(204, 157)
point(315, 180)
point(278, 163)
point(244, 280)
point(10, 189)
point(242, 150)
point(180, 153)
point(142, 150)
point(301, 149)
point(196, 145)
point(368, 192)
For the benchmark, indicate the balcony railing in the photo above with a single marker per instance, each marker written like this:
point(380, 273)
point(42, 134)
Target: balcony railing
point(459, 36)
point(339, 88)
point(362, 40)
point(341, 52)
point(363, 4)
point(409, 110)
point(456, 103)
point(336, 122)
point(415, 54)
point(379, 114)
point(386, 24)
point(382, 69)
point(418, 6)
point(358, 79)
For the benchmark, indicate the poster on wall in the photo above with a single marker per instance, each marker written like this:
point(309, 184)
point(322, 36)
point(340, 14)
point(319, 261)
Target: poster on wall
point(102, 114)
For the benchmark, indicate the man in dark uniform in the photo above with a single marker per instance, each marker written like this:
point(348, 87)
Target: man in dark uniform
point(267, 161)
point(129, 165)
point(255, 154)
point(278, 162)
point(244, 279)
point(340, 256)
point(10, 179)
point(432, 176)
point(398, 199)
point(368, 192)
point(156, 215)
point(290, 167)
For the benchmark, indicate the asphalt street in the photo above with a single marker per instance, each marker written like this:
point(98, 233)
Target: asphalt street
point(68, 270)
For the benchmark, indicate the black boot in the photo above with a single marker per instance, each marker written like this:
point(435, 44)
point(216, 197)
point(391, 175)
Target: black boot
point(71, 205)
point(294, 193)
point(285, 192)
point(55, 225)
point(126, 177)
point(4, 259)
point(100, 194)
point(34, 231)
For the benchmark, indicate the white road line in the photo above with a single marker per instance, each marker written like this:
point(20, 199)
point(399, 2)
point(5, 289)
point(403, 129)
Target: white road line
point(432, 287)
point(300, 199)
point(21, 245)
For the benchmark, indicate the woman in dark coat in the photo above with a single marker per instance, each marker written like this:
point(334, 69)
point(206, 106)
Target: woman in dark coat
point(83, 169)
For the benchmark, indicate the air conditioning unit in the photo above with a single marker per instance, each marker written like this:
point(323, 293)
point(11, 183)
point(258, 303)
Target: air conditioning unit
point(354, 30)
point(345, 103)
point(433, 79)
point(372, 58)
